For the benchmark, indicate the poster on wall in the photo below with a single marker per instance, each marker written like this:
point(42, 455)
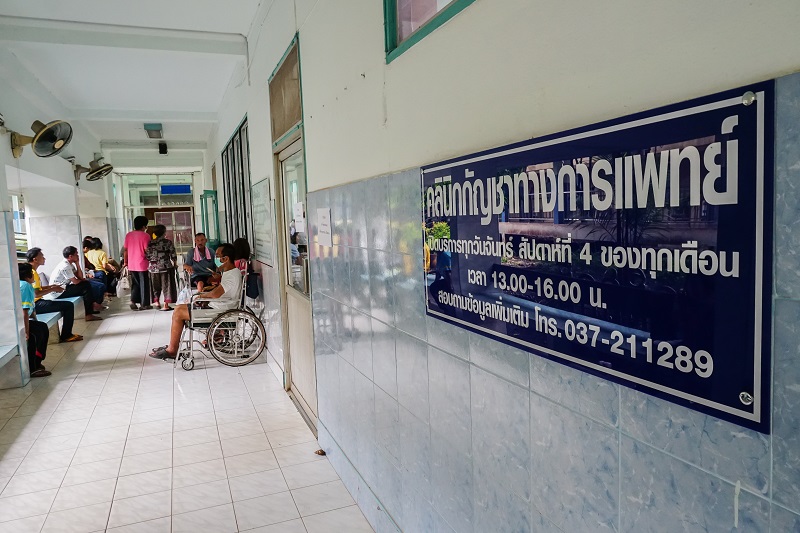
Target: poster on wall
point(638, 249)
point(263, 224)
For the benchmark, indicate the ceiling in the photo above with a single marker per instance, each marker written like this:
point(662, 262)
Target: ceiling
point(114, 65)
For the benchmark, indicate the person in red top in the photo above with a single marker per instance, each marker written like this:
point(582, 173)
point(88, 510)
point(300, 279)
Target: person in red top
point(136, 242)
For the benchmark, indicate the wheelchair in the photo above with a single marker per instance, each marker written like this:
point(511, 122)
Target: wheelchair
point(234, 337)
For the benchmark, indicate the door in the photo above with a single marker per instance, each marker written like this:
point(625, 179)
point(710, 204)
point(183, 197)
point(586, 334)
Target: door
point(299, 361)
point(179, 228)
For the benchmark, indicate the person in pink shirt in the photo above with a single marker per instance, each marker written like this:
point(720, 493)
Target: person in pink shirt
point(136, 242)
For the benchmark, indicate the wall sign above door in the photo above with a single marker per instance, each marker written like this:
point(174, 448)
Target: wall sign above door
point(638, 249)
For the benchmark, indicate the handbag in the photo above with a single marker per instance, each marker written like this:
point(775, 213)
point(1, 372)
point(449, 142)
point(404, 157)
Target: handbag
point(251, 287)
point(124, 284)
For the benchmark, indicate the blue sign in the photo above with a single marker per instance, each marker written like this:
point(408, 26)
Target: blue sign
point(176, 189)
point(638, 249)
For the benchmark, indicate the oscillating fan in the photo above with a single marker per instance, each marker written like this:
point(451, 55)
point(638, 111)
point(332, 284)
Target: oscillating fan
point(49, 140)
point(95, 172)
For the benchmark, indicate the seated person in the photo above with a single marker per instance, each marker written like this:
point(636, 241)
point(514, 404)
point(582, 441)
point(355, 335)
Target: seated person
point(93, 250)
point(69, 276)
point(199, 262)
point(36, 259)
point(36, 333)
point(208, 305)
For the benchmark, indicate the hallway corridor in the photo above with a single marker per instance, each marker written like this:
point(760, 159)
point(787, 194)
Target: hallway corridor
point(116, 441)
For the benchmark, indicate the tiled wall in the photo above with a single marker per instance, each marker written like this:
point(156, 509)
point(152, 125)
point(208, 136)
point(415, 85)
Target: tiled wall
point(435, 429)
point(98, 227)
point(52, 234)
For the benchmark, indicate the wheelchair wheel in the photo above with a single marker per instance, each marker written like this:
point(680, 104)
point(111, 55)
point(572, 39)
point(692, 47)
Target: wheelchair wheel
point(236, 338)
point(188, 363)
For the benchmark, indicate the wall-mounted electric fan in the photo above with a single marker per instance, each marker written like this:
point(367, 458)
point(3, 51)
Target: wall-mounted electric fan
point(49, 139)
point(96, 171)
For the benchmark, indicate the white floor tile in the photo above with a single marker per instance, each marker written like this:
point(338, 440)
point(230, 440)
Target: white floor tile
point(219, 519)
point(34, 482)
point(197, 454)
point(265, 511)
point(248, 444)
point(290, 437)
point(147, 429)
point(140, 509)
point(146, 462)
point(196, 497)
point(320, 498)
point(258, 484)
point(84, 494)
point(144, 483)
point(197, 473)
point(31, 524)
point(98, 452)
point(191, 437)
point(81, 520)
point(298, 454)
point(26, 505)
point(159, 525)
point(292, 526)
point(308, 474)
point(250, 463)
point(349, 519)
point(89, 472)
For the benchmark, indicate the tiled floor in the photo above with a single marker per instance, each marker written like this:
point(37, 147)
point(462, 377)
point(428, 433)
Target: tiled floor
point(116, 441)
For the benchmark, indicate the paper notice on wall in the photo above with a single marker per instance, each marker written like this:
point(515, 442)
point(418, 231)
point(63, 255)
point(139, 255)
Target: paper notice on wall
point(299, 216)
point(324, 232)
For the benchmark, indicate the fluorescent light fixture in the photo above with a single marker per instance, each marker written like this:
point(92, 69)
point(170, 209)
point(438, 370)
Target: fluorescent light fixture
point(153, 130)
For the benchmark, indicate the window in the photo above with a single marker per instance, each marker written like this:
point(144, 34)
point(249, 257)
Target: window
point(20, 226)
point(236, 185)
point(408, 21)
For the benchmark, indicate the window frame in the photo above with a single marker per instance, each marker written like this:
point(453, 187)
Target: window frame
point(235, 158)
point(395, 49)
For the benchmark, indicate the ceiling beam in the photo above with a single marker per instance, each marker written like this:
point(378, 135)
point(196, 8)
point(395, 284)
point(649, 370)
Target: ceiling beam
point(152, 145)
point(116, 36)
point(120, 115)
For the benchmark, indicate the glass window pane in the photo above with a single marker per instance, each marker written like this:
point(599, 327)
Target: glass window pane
point(294, 181)
point(413, 14)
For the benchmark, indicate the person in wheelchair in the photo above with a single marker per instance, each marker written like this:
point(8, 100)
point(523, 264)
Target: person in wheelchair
point(208, 304)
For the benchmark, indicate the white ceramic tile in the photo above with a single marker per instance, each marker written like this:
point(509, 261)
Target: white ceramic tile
point(32, 524)
point(81, 520)
point(239, 429)
point(348, 519)
point(321, 498)
point(265, 510)
point(298, 454)
point(257, 484)
point(34, 482)
point(291, 436)
point(98, 452)
point(144, 483)
point(154, 443)
point(197, 454)
point(307, 474)
point(140, 509)
point(220, 519)
point(197, 473)
point(146, 462)
point(291, 526)
point(32, 504)
point(249, 463)
point(56, 444)
point(191, 437)
point(88, 472)
point(159, 525)
point(147, 429)
point(195, 421)
point(84, 494)
point(45, 461)
point(248, 444)
point(196, 497)
point(101, 436)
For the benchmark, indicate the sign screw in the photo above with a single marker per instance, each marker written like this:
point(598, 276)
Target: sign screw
point(746, 398)
point(748, 98)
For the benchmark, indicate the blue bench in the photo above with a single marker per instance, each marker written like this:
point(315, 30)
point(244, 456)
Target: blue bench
point(7, 353)
point(77, 301)
point(51, 319)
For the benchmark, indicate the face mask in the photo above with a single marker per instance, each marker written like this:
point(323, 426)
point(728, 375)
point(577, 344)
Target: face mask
point(218, 261)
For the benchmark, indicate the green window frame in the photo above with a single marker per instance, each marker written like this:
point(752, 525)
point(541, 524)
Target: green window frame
point(394, 48)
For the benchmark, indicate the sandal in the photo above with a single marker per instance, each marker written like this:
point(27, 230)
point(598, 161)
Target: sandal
point(134, 307)
point(161, 353)
point(41, 373)
point(166, 309)
point(73, 338)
